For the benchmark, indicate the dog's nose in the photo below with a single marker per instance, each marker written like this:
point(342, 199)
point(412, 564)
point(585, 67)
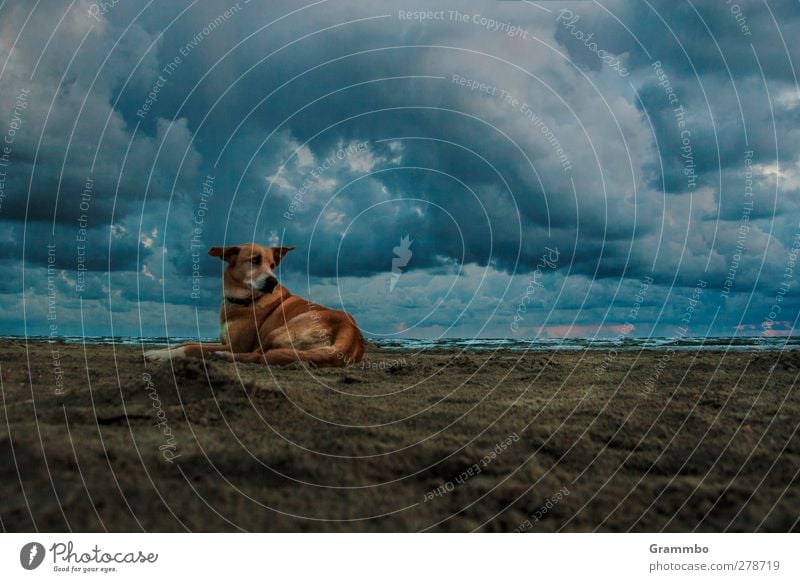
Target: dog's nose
point(269, 284)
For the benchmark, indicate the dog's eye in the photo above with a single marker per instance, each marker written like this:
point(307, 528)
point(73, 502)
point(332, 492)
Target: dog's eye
point(272, 265)
point(256, 260)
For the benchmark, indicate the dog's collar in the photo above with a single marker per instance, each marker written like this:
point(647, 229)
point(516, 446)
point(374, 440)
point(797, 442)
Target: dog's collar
point(236, 301)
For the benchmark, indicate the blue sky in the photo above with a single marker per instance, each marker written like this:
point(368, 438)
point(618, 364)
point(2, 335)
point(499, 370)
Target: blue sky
point(558, 168)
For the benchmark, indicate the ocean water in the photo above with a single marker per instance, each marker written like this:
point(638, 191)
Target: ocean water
point(539, 344)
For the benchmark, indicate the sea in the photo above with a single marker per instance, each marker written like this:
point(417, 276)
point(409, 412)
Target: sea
point(742, 343)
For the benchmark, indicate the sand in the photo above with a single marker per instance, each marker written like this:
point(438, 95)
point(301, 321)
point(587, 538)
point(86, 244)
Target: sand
point(95, 440)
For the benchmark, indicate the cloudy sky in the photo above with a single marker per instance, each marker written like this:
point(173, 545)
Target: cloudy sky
point(556, 169)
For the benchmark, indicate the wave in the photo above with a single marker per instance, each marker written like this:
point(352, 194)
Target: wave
point(483, 344)
point(580, 344)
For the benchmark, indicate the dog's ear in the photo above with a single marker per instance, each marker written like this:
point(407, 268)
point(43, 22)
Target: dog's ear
point(225, 253)
point(279, 252)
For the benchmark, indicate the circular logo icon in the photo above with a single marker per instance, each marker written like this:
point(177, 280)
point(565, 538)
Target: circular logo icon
point(31, 555)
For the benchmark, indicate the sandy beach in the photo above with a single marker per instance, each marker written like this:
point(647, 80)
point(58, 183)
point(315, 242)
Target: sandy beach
point(95, 440)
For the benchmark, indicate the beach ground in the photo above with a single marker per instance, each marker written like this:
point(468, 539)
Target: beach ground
point(92, 439)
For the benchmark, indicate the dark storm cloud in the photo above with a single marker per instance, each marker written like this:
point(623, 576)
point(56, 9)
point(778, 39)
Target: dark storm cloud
point(689, 34)
point(95, 249)
point(484, 138)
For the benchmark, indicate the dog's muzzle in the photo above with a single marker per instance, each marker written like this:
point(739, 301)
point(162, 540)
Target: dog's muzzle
point(269, 284)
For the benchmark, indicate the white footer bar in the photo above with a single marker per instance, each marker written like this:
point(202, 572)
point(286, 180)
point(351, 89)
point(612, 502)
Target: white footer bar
point(401, 557)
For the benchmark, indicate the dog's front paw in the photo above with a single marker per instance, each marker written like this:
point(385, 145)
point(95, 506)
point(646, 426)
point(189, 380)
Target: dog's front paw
point(156, 355)
point(163, 355)
point(225, 356)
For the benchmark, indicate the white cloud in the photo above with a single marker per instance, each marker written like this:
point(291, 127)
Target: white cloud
point(305, 157)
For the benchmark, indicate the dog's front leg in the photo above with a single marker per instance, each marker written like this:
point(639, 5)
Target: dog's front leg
point(245, 358)
point(185, 351)
point(315, 357)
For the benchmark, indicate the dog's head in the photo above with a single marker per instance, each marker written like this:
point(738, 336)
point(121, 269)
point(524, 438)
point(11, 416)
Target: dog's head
point(251, 268)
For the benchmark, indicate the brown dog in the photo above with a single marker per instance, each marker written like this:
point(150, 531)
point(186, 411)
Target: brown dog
point(262, 322)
